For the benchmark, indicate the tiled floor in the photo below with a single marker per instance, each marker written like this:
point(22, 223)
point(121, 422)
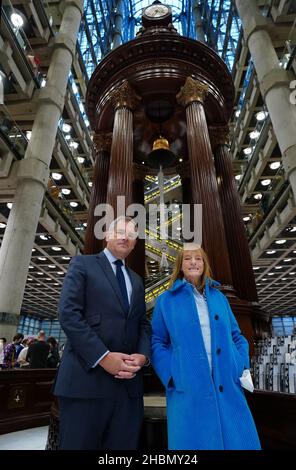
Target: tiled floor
point(29, 439)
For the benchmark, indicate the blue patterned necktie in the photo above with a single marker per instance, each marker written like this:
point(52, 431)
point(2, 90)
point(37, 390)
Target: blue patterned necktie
point(122, 285)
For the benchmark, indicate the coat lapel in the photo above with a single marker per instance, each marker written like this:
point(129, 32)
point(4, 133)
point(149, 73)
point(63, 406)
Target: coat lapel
point(105, 265)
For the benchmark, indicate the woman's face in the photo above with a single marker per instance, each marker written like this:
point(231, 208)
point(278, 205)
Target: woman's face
point(192, 265)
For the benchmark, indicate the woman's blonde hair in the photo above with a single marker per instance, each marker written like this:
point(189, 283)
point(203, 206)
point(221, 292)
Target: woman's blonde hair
point(178, 273)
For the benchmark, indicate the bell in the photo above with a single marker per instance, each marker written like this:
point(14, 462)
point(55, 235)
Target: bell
point(161, 155)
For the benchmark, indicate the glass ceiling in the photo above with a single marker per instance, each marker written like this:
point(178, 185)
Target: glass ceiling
point(220, 23)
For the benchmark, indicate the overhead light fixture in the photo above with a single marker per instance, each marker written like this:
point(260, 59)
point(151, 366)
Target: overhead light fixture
point(271, 252)
point(56, 248)
point(73, 204)
point(280, 242)
point(143, 163)
point(66, 257)
point(254, 134)
point(258, 196)
point(60, 272)
point(85, 224)
point(66, 127)
point(256, 267)
point(57, 176)
point(293, 229)
point(43, 237)
point(270, 274)
point(247, 218)
point(31, 267)
point(66, 191)
point(238, 177)
point(40, 274)
point(33, 249)
point(67, 137)
point(81, 159)
point(180, 159)
point(278, 267)
point(266, 182)
point(52, 266)
point(41, 258)
point(291, 274)
point(274, 165)
point(74, 87)
point(287, 260)
point(29, 135)
point(2, 225)
point(284, 278)
point(237, 113)
point(17, 20)
point(248, 150)
point(261, 115)
point(9, 205)
point(90, 184)
point(74, 145)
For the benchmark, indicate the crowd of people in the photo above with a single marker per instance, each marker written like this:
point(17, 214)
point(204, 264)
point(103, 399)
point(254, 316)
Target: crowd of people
point(32, 352)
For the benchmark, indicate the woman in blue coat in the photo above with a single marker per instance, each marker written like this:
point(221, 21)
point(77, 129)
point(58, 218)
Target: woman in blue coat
point(199, 354)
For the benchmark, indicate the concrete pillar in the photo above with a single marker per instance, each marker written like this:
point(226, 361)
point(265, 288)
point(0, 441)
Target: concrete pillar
point(199, 31)
point(274, 83)
point(117, 38)
point(16, 249)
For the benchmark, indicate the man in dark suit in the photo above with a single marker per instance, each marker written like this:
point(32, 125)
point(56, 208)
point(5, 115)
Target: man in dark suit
point(38, 352)
point(99, 383)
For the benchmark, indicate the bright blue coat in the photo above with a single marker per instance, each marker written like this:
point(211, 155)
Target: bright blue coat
point(204, 411)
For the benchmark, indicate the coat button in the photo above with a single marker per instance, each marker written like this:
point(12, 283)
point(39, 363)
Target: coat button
point(216, 317)
point(221, 388)
point(218, 351)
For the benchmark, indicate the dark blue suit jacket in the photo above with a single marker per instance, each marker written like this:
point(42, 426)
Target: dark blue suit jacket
point(92, 315)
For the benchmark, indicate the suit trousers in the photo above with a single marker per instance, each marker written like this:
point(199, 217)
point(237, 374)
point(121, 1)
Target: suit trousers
point(102, 423)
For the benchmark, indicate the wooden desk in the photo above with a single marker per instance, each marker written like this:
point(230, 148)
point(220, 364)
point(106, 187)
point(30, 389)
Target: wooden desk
point(25, 398)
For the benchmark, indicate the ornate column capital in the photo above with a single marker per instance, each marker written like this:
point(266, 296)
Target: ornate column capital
point(193, 90)
point(102, 141)
point(125, 97)
point(219, 136)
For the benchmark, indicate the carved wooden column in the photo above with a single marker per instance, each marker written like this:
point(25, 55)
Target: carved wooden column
point(102, 143)
point(121, 164)
point(238, 248)
point(203, 178)
point(136, 259)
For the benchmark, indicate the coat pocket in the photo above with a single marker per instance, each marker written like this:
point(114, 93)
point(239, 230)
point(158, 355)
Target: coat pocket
point(238, 368)
point(177, 381)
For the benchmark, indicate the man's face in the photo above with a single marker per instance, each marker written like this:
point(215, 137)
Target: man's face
point(122, 240)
